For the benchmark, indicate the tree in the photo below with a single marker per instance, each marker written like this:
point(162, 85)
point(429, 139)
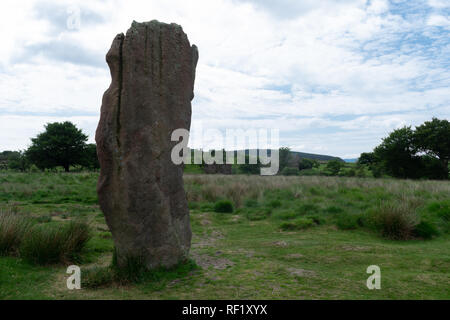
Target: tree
point(90, 160)
point(284, 156)
point(433, 138)
point(18, 161)
point(397, 154)
point(248, 168)
point(305, 164)
point(367, 158)
point(334, 166)
point(62, 144)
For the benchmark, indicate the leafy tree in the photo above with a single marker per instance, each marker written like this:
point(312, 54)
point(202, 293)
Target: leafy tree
point(18, 161)
point(433, 138)
point(305, 164)
point(397, 154)
point(284, 156)
point(62, 144)
point(367, 158)
point(248, 168)
point(334, 166)
point(90, 157)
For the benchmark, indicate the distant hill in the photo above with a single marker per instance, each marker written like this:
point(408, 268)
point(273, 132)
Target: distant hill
point(296, 156)
point(351, 160)
point(301, 155)
point(313, 156)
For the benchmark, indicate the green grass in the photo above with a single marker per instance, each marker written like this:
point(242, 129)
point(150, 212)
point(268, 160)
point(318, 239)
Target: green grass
point(322, 252)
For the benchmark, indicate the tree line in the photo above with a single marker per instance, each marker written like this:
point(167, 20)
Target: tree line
point(420, 153)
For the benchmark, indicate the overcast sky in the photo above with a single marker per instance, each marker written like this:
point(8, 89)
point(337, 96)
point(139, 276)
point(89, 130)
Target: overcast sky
point(334, 76)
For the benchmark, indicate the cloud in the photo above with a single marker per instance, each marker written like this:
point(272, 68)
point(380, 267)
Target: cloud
point(63, 51)
point(58, 14)
point(15, 135)
point(334, 76)
point(440, 4)
point(438, 20)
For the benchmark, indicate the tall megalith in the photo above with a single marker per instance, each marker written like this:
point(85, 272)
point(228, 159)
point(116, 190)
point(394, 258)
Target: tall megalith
point(140, 189)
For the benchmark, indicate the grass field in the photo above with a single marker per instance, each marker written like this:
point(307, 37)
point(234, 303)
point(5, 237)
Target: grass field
point(287, 238)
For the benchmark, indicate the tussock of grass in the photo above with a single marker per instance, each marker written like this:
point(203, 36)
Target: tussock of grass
point(12, 229)
point(50, 244)
point(223, 206)
point(394, 221)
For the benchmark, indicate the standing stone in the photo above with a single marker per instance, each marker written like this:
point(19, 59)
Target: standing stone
point(140, 190)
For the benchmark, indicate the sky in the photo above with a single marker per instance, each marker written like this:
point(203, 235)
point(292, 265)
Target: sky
point(334, 77)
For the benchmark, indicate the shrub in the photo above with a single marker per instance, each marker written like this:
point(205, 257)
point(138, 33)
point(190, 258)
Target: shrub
point(298, 224)
point(425, 230)
point(13, 227)
point(289, 171)
point(394, 221)
point(48, 244)
point(223, 206)
point(274, 204)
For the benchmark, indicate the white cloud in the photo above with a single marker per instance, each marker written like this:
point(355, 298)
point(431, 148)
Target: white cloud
point(438, 20)
point(296, 65)
point(440, 4)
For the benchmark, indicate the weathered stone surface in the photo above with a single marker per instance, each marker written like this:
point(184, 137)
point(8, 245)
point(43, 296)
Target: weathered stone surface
point(140, 190)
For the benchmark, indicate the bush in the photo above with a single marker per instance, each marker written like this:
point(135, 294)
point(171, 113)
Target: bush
point(394, 221)
point(13, 227)
point(298, 224)
point(305, 164)
point(49, 244)
point(425, 230)
point(223, 206)
point(274, 204)
point(289, 171)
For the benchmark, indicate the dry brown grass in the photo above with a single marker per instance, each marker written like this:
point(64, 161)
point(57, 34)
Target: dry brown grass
point(237, 188)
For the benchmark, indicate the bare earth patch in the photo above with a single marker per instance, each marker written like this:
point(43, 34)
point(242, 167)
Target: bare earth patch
point(354, 248)
point(205, 261)
point(294, 256)
point(301, 272)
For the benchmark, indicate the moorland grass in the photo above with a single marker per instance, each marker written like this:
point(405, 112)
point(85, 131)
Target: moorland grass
point(248, 254)
point(13, 228)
